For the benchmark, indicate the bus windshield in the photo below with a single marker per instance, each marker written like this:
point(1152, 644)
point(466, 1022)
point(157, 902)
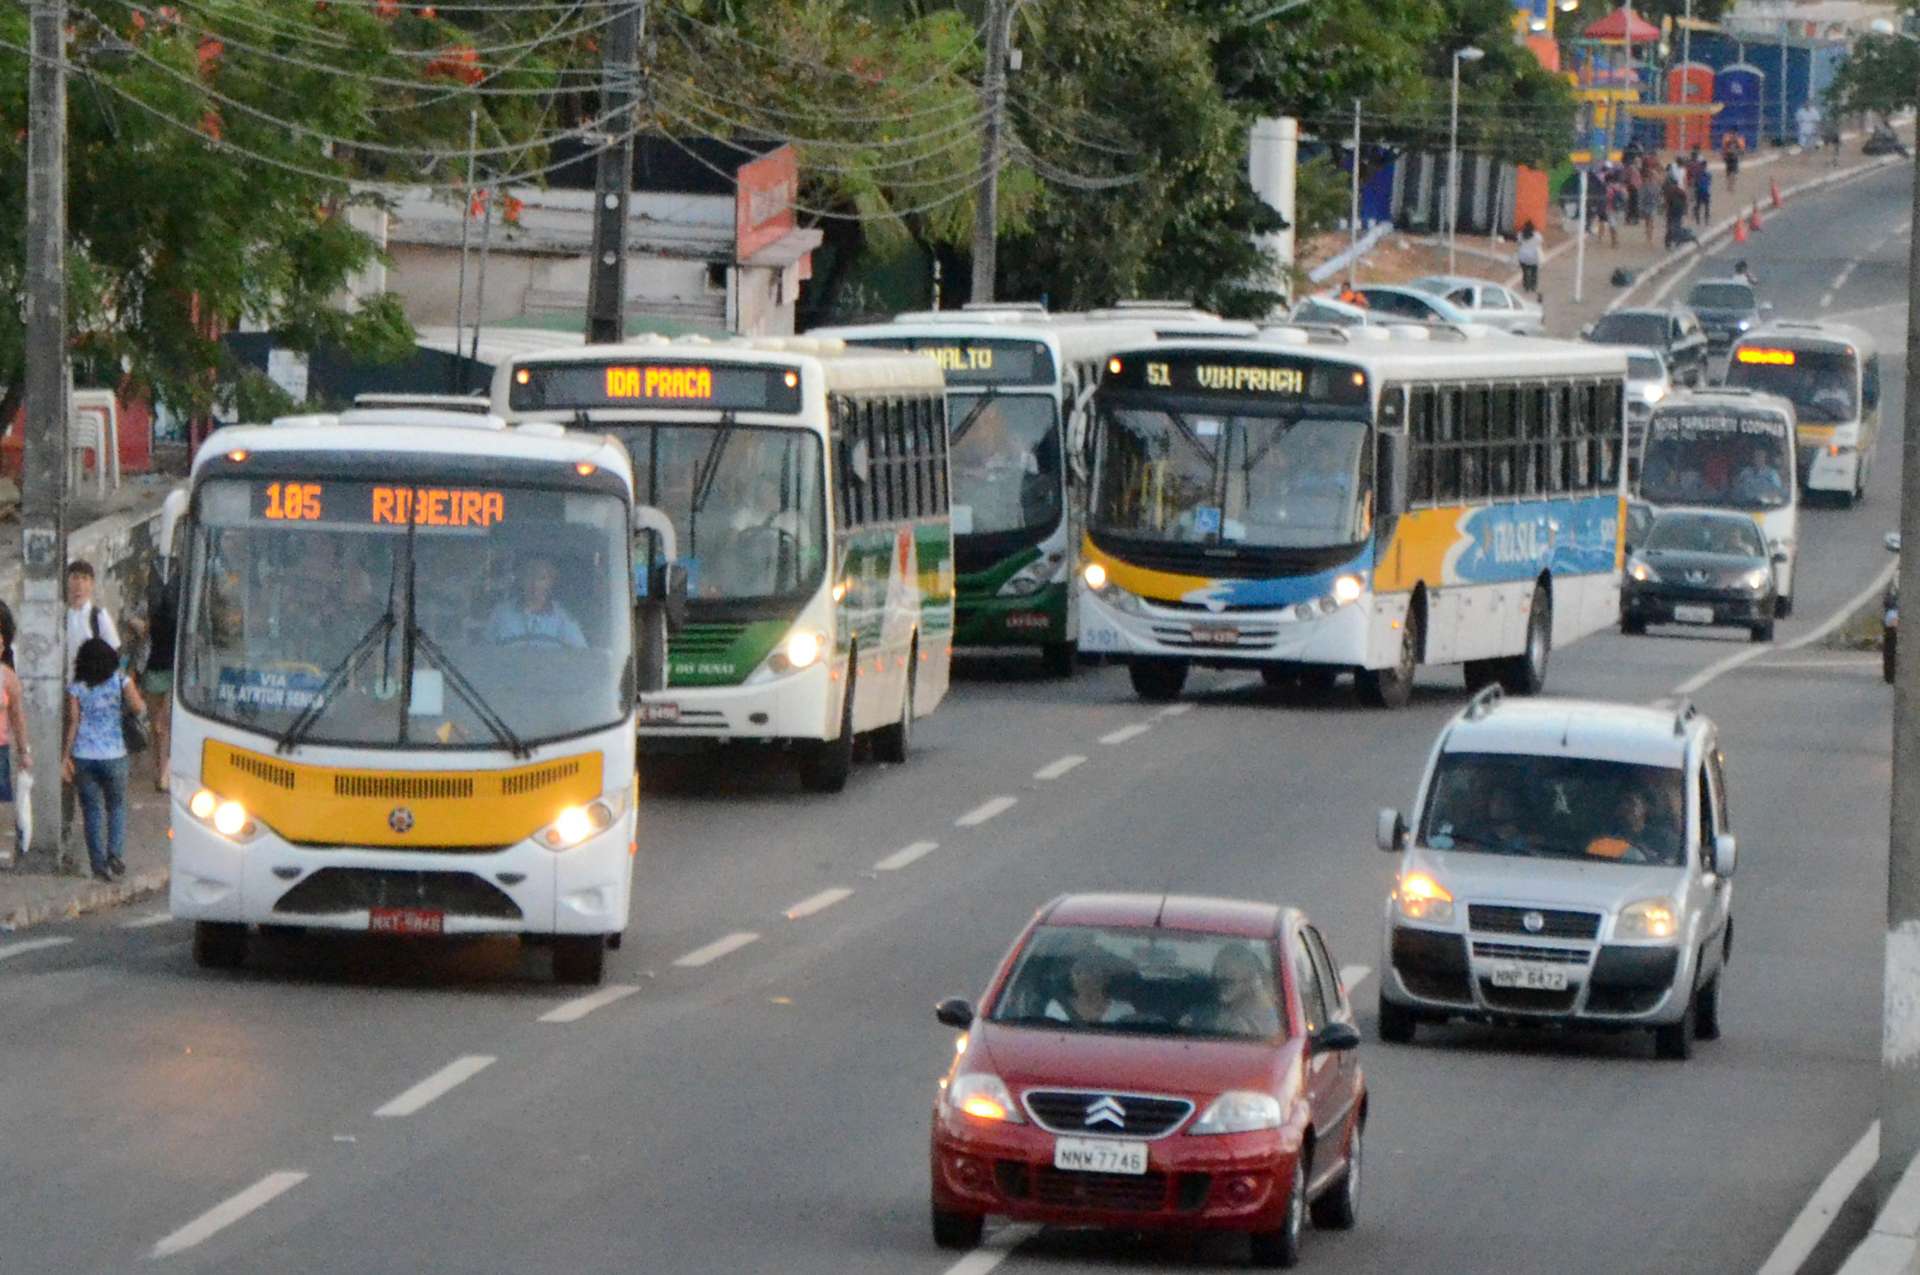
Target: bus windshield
point(1732, 461)
point(1005, 455)
point(745, 503)
point(1823, 385)
point(1273, 482)
point(503, 610)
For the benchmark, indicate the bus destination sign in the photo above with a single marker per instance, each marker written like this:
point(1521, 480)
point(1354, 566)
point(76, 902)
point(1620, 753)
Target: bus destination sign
point(1695, 424)
point(1240, 375)
point(977, 360)
point(732, 387)
point(379, 504)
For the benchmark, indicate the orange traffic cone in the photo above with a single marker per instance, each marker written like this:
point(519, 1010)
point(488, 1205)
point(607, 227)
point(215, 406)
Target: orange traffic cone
point(1753, 220)
point(1774, 183)
point(1740, 230)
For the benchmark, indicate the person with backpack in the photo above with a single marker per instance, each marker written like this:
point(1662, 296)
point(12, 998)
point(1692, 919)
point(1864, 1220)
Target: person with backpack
point(95, 761)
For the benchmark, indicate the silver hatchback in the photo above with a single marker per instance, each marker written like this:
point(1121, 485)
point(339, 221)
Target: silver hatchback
point(1572, 862)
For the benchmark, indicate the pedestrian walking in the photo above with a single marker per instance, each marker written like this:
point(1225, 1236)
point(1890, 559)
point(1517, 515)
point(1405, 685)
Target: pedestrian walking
point(1702, 195)
point(156, 670)
point(13, 726)
point(1732, 147)
point(1649, 193)
point(1675, 196)
point(96, 751)
point(1528, 257)
point(86, 619)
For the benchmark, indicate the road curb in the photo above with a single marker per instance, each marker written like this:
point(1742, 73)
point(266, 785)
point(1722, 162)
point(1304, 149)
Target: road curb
point(93, 897)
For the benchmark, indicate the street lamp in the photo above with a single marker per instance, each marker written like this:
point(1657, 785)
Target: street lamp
point(1468, 54)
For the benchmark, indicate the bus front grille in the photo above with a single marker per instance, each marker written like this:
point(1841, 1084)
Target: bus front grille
point(335, 890)
point(396, 787)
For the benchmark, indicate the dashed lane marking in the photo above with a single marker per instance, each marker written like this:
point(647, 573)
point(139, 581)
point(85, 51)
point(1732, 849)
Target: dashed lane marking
point(1351, 976)
point(818, 902)
point(148, 921)
point(441, 1082)
point(1055, 769)
point(986, 810)
point(1174, 710)
point(1719, 668)
point(715, 950)
point(228, 1211)
point(580, 1006)
point(905, 855)
point(1803, 1235)
point(31, 945)
point(1125, 733)
point(1826, 299)
point(993, 1250)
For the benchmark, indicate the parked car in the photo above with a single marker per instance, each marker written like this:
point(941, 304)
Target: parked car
point(1485, 301)
point(1890, 616)
point(1701, 566)
point(1561, 871)
point(1672, 331)
point(1154, 1062)
point(1727, 310)
point(1648, 383)
point(1393, 302)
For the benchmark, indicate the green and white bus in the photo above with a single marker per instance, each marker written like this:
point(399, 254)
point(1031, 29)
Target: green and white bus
point(807, 486)
point(1017, 379)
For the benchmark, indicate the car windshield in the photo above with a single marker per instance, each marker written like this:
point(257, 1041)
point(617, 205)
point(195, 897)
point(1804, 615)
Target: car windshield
point(1211, 479)
point(1644, 367)
point(1145, 982)
point(1683, 533)
point(1822, 384)
point(1724, 459)
point(1556, 807)
point(1721, 296)
point(1006, 462)
point(508, 606)
point(745, 503)
point(1631, 329)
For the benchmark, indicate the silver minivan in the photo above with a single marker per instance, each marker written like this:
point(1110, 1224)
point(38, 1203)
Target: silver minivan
point(1570, 862)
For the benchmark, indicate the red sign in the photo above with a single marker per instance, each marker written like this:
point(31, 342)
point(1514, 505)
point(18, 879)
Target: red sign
point(764, 194)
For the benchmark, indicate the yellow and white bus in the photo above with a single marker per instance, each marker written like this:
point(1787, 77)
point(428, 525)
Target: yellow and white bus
point(406, 683)
point(1365, 500)
point(807, 487)
point(1830, 372)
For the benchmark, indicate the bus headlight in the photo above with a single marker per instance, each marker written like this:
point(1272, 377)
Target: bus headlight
point(1347, 589)
point(576, 823)
point(1095, 575)
point(226, 817)
point(202, 804)
point(802, 648)
point(1035, 576)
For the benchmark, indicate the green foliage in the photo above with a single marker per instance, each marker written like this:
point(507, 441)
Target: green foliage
point(1878, 76)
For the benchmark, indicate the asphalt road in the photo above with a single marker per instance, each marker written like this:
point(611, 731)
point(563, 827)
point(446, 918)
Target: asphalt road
point(766, 1109)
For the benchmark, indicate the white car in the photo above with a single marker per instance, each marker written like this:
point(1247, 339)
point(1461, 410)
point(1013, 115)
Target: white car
point(1571, 862)
point(1485, 301)
point(1648, 384)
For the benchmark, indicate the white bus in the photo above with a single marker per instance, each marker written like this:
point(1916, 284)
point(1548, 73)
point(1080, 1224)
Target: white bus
point(807, 488)
point(1361, 500)
point(406, 684)
point(1016, 381)
point(1830, 372)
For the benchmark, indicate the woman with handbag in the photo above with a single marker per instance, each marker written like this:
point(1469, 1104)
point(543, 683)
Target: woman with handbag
point(103, 721)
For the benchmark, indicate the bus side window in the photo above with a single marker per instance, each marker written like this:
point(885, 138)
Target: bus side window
point(1420, 419)
point(1474, 453)
point(1606, 425)
point(1573, 440)
point(1446, 452)
point(942, 478)
point(908, 440)
point(1503, 427)
point(880, 483)
point(922, 454)
point(1533, 428)
point(840, 436)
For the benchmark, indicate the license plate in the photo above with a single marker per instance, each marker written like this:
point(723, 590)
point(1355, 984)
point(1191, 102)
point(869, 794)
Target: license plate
point(1533, 978)
point(1099, 1155)
point(406, 921)
point(659, 712)
point(1215, 635)
point(1693, 615)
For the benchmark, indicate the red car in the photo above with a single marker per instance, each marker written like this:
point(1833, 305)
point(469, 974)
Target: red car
point(1154, 1062)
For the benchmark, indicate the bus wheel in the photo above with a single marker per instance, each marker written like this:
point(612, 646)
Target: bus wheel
point(1058, 658)
point(579, 959)
point(1526, 673)
point(825, 764)
point(1157, 681)
point(218, 945)
point(890, 743)
point(1393, 687)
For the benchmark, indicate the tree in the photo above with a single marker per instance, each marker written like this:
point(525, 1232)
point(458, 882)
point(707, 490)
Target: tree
point(1878, 76)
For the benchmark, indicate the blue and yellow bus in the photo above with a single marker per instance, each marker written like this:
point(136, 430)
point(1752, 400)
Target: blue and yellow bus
point(1366, 502)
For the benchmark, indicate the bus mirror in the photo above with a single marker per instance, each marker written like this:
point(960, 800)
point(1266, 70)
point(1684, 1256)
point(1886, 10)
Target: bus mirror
point(667, 585)
point(652, 528)
point(1390, 474)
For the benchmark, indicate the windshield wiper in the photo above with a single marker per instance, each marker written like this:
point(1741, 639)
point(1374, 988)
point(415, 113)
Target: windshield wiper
point(376, 635)
point(466, 690)
point(959, 431)
point(710, 465)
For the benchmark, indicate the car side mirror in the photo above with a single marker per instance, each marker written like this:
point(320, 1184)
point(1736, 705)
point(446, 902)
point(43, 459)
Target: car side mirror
point(955, 1011)
point(1390, 831)
point(1335, 1038)
point(1724, 853)
point(1893, 542)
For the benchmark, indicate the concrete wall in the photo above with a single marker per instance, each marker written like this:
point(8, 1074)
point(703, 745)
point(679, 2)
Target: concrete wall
point(121, 548)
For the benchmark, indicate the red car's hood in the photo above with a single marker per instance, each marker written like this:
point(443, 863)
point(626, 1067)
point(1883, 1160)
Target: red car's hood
point(1034, 1057)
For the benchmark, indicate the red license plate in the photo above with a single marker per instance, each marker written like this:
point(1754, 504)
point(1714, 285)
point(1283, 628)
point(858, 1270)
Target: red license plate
point(659, 712)
point(406, 921)
point(1215, 635)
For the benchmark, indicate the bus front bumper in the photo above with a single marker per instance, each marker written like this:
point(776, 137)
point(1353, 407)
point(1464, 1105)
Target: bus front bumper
point(987, 619)
point(1337, 638)
point(1829, 467)
point(797, 706)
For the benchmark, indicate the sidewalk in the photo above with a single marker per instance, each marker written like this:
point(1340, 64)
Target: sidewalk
point(32, 893)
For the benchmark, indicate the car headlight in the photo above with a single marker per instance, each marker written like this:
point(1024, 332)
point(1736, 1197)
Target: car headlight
point(984, 1096)
point(1647, 919)
point(1744, 324)
point(1035, 576)
point(1756, 578)
point(1421, 898)
point(1347, 589)
point(575, 824)
point(1640, 571)
point(1095, 575)
point(1239, 1111)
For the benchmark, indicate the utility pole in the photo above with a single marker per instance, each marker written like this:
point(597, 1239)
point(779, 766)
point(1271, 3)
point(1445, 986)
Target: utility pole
point(43, 481)
point(1353, 213)
point(993, 97)
point(613, 188)
point(466, 236)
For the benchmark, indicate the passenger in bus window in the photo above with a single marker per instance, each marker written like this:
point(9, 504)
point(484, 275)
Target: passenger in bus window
point(1758, 482)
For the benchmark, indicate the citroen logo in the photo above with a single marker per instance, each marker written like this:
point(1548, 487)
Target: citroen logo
point(400, 820)
point(1534, 922)
point(1106, 1108)
point(1697, 577)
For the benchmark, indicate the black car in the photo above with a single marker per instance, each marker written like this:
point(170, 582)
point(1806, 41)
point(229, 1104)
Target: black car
point(1696, 566)
point(1672, 330)
point(1726, 308)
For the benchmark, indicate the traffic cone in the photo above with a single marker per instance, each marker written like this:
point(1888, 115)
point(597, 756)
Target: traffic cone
point(1753, 220)
point(1774, 183)
point(1740, 230)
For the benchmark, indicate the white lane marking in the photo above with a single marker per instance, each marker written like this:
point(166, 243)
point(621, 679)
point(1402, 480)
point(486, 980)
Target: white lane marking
point(1842, 662)
point(1126, 733)
point(715, 950)
point(1055, 769)
point(818, 902)
point(147, 921)
point(580, 1006)
point(1818, 1212)
point(1846, 273)
point(1174, 710)
point(993, 1250)
point(228, 1211)
point(455, 1073)
point(984, 811)
point(31, 945)
point(1826, 299)
point(1826, 626)
point(905, 855)
point(1351, 976)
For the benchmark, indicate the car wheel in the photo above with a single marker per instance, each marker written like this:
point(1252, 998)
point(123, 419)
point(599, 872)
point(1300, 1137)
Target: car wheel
point(1706, 1011)
point(957, 1230)
point(1397, 1023)
point(218, 945)
point(1393, 687)
point(1632, 626)
point(892, 743)
point(1783, 606)
point(1526, 673)
point(1674, 1041)
point(1339, 1208)
point(1763, 631)
point(825, 764)
point(1282, 1247)
point(1058, 658)
point(579, 959)
point(1157, 681)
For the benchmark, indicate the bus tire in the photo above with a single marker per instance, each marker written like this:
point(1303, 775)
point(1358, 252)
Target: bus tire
point(1058, 658)
point(579, 958)
point(1158, 681)
point(826, 763)
point(1393, 687)
point(892, 743)
point(219, 945)
point(1526, 673)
